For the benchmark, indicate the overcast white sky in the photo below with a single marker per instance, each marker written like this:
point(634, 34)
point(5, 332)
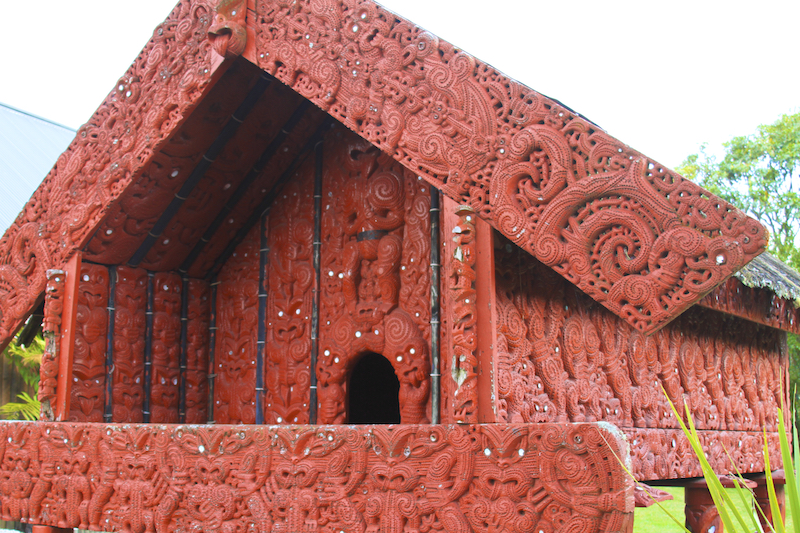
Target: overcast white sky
point(662, 77)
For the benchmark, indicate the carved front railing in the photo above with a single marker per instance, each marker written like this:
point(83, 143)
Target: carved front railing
point(410, 479)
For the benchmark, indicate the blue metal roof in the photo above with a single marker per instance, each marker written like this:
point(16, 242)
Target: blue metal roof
point(29, 147)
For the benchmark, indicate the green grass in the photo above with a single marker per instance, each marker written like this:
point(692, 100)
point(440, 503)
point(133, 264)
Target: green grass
point(654, 520)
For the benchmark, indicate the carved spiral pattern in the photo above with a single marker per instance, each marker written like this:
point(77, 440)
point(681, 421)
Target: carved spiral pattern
point(468, 129)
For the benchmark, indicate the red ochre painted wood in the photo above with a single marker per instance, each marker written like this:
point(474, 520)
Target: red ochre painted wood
point(549, 477)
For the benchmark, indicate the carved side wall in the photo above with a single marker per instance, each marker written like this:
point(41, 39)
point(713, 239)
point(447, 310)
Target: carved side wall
point(564, 358)
point(87, 396)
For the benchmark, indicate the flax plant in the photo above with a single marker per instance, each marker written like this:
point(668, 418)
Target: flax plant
point(725, 500)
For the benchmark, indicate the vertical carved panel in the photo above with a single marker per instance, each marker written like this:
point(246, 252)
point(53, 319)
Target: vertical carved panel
point(129, 325)
point(51, 329)
point(88, 370)
point(375, 275)
point(564, 358)
point(461, 334)
point(166, 348)
point(291, 278)
point(237, 325)
point(197, 352)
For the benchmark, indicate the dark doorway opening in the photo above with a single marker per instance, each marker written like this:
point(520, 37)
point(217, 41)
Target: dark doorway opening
point(373, 392)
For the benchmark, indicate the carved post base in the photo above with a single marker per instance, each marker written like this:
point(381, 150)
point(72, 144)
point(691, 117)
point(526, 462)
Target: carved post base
point(762, 497)
point(701, 513)
point(50, 529)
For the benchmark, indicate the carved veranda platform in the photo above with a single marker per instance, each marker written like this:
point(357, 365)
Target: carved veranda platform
point(401, 478)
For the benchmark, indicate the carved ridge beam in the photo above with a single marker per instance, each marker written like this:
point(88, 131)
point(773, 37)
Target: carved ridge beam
point(265, 204)
point(227, 133)
point(258, 167)
point(187, 478)
point(632, 234)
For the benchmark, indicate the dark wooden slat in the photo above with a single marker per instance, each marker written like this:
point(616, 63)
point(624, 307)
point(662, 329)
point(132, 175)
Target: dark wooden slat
point(267, 201)
point(241, 190)
point(227, 133)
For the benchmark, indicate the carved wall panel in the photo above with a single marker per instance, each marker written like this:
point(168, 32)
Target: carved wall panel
point(563, 358)
point(129, 342)
point(290, 273)
point(633, 235)
point(375, 275)
point(757, 305)
point(87, 393)
point(666, 454)
point(316, 478)
point(237, 218)
point(237, 329)
point(164, 395)
point(222, 179)
point(109, 152)
point(197, 352)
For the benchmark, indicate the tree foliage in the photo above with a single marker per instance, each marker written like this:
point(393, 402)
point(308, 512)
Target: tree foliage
point(25, 360)
point(760, 174)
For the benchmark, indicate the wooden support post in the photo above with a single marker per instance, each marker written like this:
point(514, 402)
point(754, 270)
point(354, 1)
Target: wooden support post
point(69, 318)
point(50, 529)
point(486, 321)
point(436, 376)
point(701, 513)
point(762, 497)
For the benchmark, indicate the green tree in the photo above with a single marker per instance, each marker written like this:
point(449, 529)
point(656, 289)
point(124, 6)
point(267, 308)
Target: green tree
point(760, 173)
point(25, 360)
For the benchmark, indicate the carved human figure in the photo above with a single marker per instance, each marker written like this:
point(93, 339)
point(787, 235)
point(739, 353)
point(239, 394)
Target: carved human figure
point(373, 213)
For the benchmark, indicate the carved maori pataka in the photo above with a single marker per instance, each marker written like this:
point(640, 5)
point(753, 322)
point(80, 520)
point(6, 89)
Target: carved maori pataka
point(315, 478)
point(633, 235)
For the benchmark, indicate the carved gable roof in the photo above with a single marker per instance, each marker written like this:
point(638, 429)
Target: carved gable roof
point(630, 233)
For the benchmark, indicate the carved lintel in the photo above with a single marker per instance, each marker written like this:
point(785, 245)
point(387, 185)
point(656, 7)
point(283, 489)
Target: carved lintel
point(228, 33)
point(51, 326)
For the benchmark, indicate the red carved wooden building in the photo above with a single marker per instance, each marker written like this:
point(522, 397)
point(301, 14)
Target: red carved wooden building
point(292, 221)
